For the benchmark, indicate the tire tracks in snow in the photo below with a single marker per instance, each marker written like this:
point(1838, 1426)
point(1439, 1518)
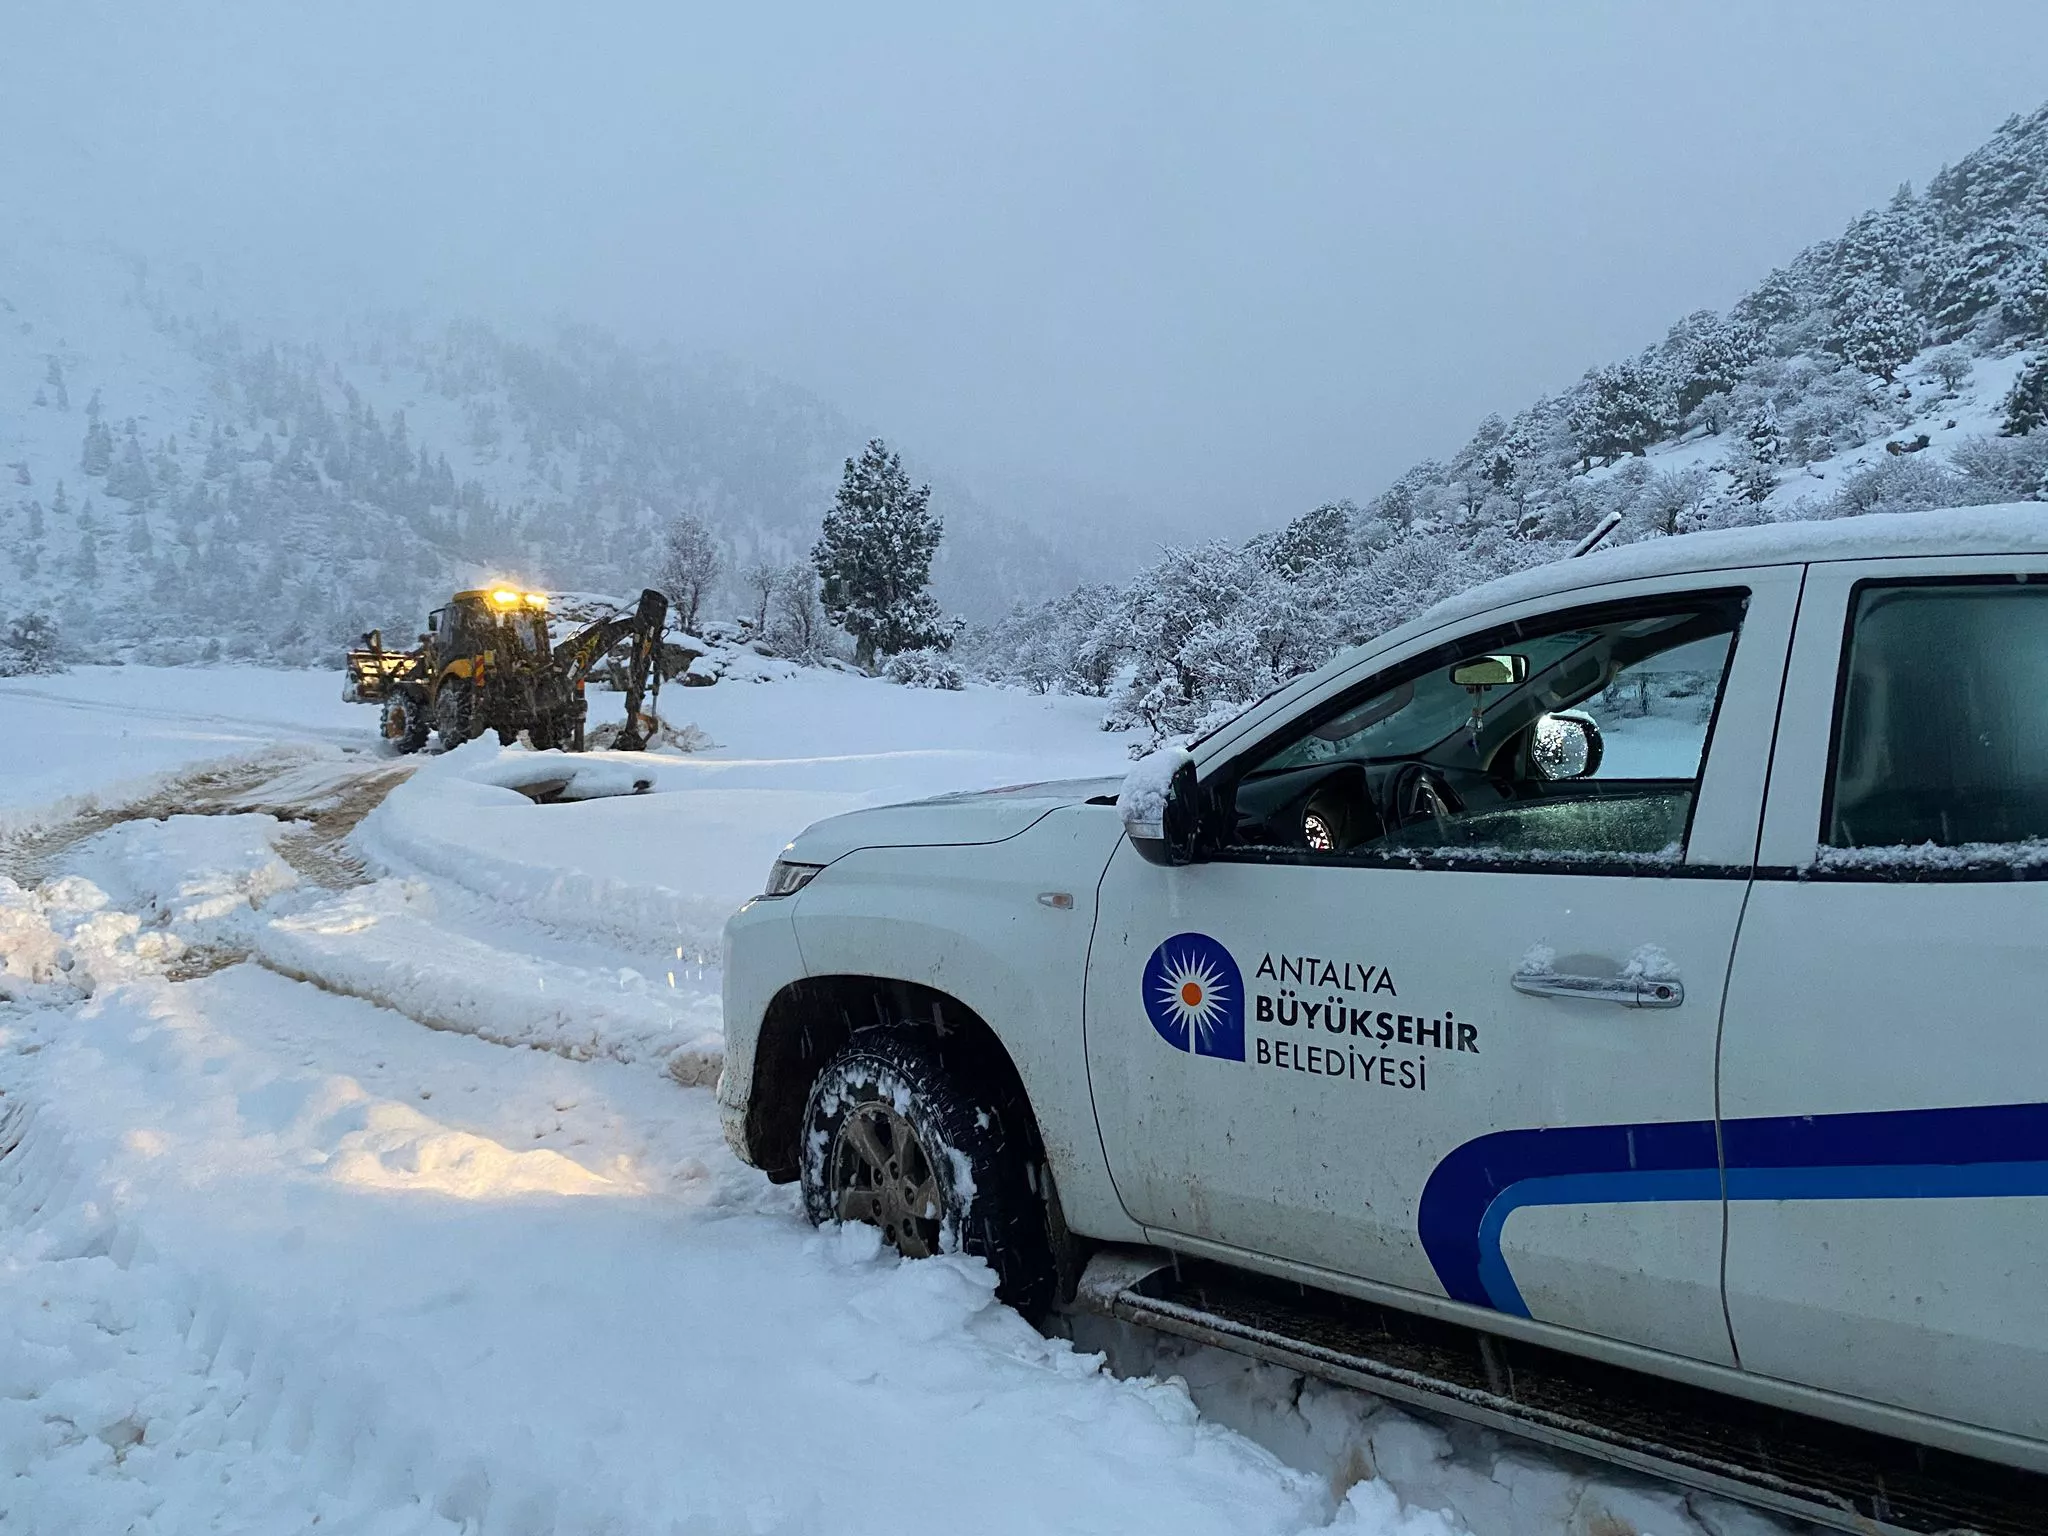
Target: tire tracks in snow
point(320, 811)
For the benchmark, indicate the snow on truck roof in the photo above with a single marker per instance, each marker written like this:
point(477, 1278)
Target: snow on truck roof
point(2015, 528)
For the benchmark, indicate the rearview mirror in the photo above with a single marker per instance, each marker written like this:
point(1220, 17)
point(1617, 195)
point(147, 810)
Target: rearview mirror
point(1491, 671)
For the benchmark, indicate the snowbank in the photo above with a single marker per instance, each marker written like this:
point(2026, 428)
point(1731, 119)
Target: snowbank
point(659, 871)
point(388, 943)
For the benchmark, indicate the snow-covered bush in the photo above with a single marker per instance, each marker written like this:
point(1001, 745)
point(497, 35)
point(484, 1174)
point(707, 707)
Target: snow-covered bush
point(924, 668)
point(1996, 469)
point(797, 626)
point(1908, 483)
point(1821, 413)
point(1951, 365)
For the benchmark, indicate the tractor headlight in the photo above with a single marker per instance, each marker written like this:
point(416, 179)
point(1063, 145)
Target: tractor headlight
point(786, 878)
point(504, 597)
point(536, 599)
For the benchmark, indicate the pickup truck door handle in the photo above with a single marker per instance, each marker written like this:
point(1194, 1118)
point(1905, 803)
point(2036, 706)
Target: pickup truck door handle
point(1629, 991)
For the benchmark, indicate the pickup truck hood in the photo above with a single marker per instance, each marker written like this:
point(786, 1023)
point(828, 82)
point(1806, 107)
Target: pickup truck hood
point(985, 816)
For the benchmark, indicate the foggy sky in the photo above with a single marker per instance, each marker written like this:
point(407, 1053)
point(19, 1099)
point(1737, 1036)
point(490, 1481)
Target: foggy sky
point(1226, 261)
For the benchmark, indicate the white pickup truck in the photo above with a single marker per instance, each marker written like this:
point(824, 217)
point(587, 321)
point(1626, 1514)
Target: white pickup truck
point(1613, 1000)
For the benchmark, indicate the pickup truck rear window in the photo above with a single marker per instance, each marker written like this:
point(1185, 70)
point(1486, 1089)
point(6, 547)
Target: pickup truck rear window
point(1941, 728)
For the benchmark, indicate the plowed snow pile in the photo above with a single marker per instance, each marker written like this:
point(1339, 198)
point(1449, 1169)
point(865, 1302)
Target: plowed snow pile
point(275, 1257)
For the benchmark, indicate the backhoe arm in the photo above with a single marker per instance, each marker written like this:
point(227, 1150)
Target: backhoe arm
point(584, 649)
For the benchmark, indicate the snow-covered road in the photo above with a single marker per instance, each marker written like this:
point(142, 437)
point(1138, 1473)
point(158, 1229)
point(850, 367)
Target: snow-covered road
point(272, 1253)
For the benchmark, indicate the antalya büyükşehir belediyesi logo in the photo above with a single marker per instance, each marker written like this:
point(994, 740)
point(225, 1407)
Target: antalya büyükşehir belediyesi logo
point(1194, 996)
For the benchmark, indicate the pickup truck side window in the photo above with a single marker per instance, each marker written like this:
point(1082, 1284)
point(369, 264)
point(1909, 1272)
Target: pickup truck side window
point(1575, 740)
point(1940, 753)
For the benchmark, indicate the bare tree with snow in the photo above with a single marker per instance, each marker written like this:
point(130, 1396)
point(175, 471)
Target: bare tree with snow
point(690, 563)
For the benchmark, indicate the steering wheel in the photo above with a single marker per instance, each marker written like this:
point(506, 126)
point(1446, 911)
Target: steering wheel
point(1416, 791)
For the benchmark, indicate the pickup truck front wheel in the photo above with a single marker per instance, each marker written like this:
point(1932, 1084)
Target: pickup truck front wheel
point(935, 1156)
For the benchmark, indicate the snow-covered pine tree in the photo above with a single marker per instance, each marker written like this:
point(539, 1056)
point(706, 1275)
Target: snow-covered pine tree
point(1753, 463)
point(53, 380)
point(2023, 312)
point(1772, 302)
point(220, 458)
point(874, 559)
point(1618, 409)
point(1873, 253)
point(1318, 540)
point(30, 645)
point(1707, 356)
point(1967, 284)
point(2026, 404)
point(1872, 328)
point(97, 454)
point(128, 476)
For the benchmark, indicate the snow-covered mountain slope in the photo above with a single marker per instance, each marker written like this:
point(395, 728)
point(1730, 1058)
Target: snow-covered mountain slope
point(1902, 367)
point(177, 482)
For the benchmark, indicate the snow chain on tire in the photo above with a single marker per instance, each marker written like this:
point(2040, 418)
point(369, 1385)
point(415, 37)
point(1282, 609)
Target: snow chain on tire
point(405, 721)
point(899, 1137)
point(454, 714)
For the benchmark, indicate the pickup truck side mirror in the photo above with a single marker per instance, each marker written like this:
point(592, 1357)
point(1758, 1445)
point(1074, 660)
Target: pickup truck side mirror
point(1567, 745)
point(1159, 807)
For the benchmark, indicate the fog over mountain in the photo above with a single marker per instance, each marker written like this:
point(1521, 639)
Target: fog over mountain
point(1109, 279)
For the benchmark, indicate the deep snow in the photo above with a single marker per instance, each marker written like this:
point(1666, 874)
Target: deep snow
point(272, 1252)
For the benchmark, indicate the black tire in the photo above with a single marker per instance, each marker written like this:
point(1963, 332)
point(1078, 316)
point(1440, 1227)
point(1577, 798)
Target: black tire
point(454, 714)
point(545, 733)
point(405, 721)
point(888, 1081)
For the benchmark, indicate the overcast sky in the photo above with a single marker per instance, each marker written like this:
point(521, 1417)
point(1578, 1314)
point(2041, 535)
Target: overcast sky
point(1225, 260)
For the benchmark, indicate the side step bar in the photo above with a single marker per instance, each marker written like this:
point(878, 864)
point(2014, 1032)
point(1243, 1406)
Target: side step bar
point(1846, 1479)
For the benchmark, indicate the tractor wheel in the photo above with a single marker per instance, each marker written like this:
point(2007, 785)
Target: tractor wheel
point(405, 721)
point(454, 715)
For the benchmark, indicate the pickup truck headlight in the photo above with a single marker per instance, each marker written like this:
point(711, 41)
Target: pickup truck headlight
point(786, 878)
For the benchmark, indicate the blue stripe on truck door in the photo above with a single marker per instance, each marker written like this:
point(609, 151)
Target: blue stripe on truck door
point(1908, 1154)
